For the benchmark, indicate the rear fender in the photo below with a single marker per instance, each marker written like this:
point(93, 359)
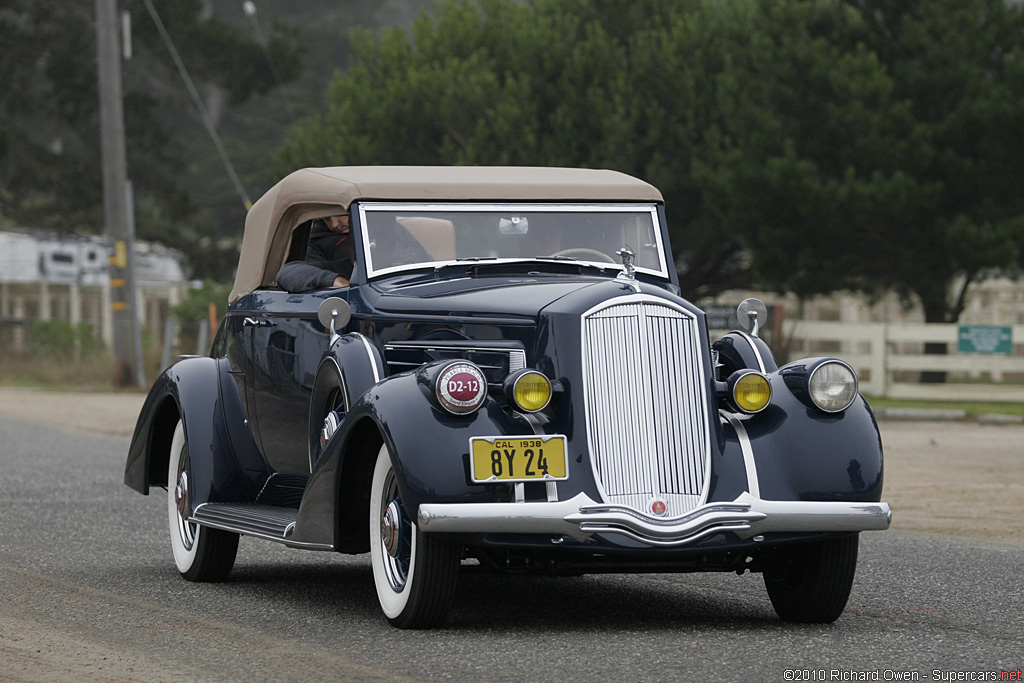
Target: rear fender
point(225, 463)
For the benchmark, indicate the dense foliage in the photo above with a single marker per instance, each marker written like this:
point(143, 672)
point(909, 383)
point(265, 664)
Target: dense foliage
point(872, 144)
point(804, 145)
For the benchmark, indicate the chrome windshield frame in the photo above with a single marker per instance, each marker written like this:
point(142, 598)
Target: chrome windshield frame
point(366, 208)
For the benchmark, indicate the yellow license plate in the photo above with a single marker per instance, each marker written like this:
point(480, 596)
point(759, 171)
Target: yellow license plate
point(534, 458)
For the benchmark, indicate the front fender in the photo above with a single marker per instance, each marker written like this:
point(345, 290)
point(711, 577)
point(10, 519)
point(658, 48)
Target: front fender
point(360, 362)
point(428, 450)
point(349, 367)
point(225, 462)
point(738, 350)
point(801, 453)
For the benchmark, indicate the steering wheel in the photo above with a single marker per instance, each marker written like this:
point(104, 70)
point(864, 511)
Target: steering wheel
point(585, 254)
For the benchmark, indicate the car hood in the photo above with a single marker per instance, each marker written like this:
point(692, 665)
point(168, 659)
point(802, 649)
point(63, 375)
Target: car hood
point(519, 297)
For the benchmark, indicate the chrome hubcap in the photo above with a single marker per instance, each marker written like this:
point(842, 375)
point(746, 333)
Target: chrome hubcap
point(395, 535)
point(390, 529)
point(183, 506)
point(181, 494)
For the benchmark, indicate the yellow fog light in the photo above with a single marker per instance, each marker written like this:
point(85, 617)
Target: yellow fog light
point(529, 390)
point(750, 391)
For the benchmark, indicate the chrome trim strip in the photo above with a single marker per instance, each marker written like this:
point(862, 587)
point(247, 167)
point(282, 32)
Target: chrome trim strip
point(262, 488)
point(753, 347)
point(580, 517)
point(516, 360)
point(516, 356)
point(378, 372)
point(550, 487)
point(456, 345)
point(747, 448)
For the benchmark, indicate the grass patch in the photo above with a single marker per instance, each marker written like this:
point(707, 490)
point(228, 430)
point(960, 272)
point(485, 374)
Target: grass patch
point(972, 408)
point(63, 357)
point(92, 373)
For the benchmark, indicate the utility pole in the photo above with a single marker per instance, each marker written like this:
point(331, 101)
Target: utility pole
point(115, 183)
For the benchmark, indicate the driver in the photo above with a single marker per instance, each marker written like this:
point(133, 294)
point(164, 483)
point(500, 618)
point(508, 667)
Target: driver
point(329, 258)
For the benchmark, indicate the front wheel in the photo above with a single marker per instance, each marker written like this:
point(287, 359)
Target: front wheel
point(414, 573)
point(812, 582)
point(200, 553)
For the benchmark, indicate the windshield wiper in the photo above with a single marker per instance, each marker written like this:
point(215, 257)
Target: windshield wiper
point(556, 258)
point(473, 262)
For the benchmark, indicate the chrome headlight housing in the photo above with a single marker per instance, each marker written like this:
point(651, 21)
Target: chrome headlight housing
point(832, 386)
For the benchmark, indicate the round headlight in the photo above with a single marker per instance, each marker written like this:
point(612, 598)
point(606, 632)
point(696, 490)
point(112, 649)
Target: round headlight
point(529, 390)
point(832, 386)
point(460, 387)
point(750, 391)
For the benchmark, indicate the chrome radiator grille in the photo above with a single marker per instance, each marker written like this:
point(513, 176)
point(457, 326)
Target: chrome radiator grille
point(646, 414)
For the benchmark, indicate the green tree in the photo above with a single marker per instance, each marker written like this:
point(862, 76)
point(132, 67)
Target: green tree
point(802, 145)
point(553, 82)
point(871, 146)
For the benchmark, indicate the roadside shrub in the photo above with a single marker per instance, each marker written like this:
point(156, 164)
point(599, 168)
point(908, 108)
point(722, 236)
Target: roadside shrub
point(62, 340)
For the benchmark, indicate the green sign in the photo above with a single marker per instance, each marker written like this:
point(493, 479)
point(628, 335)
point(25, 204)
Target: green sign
point(985, 339)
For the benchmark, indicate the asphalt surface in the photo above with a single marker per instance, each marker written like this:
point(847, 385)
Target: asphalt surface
point(89, 593)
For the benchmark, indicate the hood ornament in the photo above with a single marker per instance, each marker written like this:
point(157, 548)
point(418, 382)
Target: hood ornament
point(628, 274)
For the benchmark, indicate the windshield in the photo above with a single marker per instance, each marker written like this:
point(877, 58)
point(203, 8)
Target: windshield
point(402, 236)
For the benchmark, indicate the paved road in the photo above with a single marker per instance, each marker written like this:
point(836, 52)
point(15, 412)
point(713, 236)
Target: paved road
point(88, 592)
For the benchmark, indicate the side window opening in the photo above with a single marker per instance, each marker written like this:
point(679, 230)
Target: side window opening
point(300, 240)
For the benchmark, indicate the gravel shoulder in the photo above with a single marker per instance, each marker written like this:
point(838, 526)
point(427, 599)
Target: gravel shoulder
point(955, 478)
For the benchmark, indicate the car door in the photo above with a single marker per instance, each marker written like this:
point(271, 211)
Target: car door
point(285, 352)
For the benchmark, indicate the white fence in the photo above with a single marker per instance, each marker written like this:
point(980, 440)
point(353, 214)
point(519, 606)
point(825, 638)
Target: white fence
point(888, 356)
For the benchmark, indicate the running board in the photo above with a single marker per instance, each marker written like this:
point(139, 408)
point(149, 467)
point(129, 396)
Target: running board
point(271, 522)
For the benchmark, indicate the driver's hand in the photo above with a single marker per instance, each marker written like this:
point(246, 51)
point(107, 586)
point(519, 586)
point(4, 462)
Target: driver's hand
point(340, 281)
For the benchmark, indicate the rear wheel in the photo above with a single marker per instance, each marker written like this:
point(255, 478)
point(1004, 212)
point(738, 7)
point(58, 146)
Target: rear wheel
point(414, 573)
point(812, 582)
point(200, 553)
point(328, 396)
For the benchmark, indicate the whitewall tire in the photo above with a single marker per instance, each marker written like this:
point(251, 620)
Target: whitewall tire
point(414, 573)
point(200, 553)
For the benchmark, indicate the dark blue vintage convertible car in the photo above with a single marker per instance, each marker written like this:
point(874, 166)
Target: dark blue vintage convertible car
point(511, 382)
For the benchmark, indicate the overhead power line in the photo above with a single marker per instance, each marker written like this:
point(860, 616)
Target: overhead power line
point(200, 105)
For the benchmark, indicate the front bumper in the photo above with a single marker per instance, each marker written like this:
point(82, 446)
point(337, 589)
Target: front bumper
point(579, 517)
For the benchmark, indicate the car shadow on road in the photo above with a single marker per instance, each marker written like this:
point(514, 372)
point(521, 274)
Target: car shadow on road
point(619, 602)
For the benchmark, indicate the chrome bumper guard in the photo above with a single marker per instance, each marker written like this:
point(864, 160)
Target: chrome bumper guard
point(580, 517)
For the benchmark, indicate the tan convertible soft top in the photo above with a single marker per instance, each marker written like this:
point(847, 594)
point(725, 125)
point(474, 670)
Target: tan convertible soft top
point(316, 192)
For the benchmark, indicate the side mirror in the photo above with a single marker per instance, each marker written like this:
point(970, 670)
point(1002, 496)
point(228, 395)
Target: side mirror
point(749, 313)
point(334, 313)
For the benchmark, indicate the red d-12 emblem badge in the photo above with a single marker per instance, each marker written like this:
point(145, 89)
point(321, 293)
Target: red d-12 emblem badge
point(461, 388)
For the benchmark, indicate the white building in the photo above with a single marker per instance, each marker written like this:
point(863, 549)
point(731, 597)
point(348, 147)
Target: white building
point(45, 276)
